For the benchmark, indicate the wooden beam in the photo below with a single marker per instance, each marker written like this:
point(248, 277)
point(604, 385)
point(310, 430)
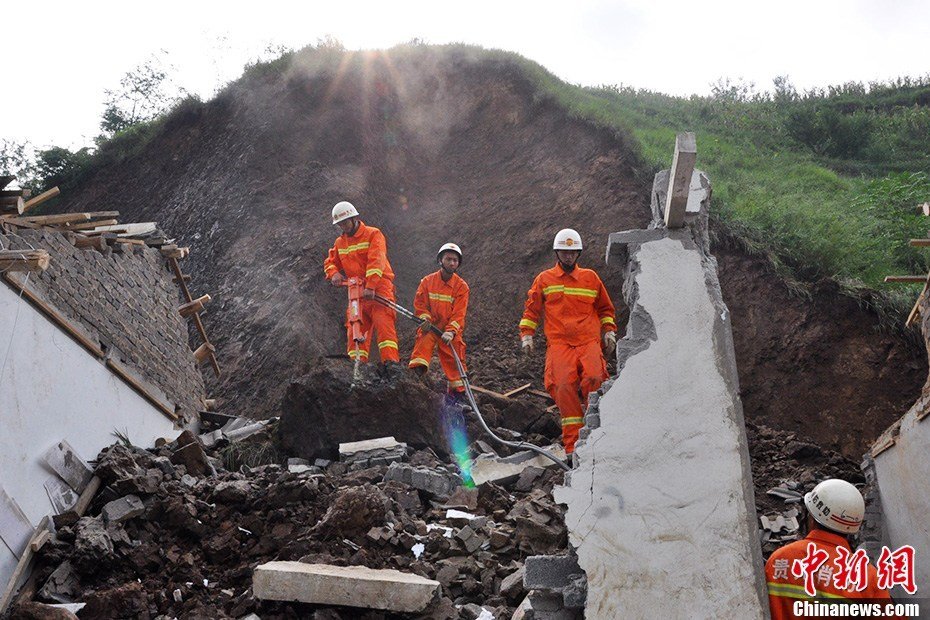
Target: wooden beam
point(97, 243)
point(679, 180)
point(24, 260)
point(203, 352)
point(540, 393)
point(184, 278)
point(482, 390)
point(46, 195)
point(22, 566)
point(179, 278)
point(920, 243)
point(87, 495)
point(67, 218)
point(194, 306)
point(13, 203)
point(90, 225)
point(516, 391)
point(173, 251)
point(143, 228)
point(911, 279)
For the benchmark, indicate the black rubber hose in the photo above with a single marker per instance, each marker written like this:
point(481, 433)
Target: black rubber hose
point(468, 391)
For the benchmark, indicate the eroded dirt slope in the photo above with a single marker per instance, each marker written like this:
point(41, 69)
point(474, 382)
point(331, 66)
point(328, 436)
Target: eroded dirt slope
point(437, 145)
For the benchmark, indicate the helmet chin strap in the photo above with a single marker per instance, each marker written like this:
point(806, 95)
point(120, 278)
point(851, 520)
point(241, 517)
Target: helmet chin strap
point(566, 268)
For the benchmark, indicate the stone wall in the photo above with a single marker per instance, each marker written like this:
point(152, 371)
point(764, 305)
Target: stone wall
point(127, 302)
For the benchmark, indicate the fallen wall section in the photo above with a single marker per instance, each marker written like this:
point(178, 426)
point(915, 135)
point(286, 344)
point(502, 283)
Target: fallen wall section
point(660, 503)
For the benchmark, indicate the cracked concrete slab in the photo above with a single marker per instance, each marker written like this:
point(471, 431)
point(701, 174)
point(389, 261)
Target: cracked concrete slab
point(660, 503)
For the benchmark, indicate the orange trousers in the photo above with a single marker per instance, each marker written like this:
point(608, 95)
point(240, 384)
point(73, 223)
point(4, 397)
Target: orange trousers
point(571, 374)
point(423, 353)
point(380, 319)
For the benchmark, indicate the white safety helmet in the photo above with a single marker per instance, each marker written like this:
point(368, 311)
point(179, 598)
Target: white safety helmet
point(837, 505)
point(567, 239)
point(449, 247)
point(343, 211)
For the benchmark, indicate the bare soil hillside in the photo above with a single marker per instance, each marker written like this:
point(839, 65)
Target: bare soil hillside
point(437, 145)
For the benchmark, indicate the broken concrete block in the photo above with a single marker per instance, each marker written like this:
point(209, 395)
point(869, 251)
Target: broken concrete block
point(550, 572)
point(123, 509)
point(512, 586)
point(372, 452)
point(62, 585)
point(504, 470)
point(435, 482)
point(352, 586)
point(232, 491)
point(470, 539)
point(575, 594)
point(190, 454)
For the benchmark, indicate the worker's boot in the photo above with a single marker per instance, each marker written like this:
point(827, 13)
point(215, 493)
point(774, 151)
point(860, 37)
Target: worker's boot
point(391, 371)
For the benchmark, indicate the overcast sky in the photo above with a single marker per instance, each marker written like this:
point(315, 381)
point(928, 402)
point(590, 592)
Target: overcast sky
point(59, 57)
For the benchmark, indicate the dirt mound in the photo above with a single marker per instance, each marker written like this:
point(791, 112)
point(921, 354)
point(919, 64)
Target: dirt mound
point(436, 145)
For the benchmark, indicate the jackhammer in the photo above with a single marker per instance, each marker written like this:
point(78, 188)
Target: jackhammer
point(355, 288)
point(520, 445)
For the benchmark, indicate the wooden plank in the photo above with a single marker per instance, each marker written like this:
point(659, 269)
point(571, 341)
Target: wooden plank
point(182, 284)
point(15, 527)
point(24, 260)
point(66, 218)
point(46, 195)
point(919, 243)
point(53, 315)
point(482, 390)
point(911, 279)
point(516, 391)
point(39, 540)
point(540, 393)
point(915, 311)
point(90, 225)
point(194, 306)
point(87, 496)
point(67, 463)
point(97, 243)
point(143, 228)
point(23, 566)
point(117, 368)
point(13, 203)
point(203, 352)
point(679, 179)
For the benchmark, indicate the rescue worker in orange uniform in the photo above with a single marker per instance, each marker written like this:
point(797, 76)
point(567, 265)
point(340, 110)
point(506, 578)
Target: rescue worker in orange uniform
point(835, 511)
point(442, 299)
point(579, 320)
point(361, 252)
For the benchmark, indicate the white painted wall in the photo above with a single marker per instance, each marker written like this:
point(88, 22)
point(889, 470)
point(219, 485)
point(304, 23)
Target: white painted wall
point(903, 472)
point(53, 389)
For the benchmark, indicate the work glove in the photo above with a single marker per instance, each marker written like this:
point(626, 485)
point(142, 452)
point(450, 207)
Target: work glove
point(447, 337)
point(337, 279)
point(426, 327)
point(368, 293)
point(610, 342)
point(527, 343)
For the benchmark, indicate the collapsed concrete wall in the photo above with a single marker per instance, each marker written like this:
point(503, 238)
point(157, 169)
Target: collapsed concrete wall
point(897, 471)
point(660, 503)
point(91, 347)
point(127, 302)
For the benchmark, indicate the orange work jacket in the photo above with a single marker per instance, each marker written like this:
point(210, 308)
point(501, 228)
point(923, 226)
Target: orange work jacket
point(574, 305)
point(443, 304)
point(784, 588)
point(363, 255)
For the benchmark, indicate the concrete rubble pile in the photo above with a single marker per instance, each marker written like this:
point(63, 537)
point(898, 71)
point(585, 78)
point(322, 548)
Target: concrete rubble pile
point(174, 533)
